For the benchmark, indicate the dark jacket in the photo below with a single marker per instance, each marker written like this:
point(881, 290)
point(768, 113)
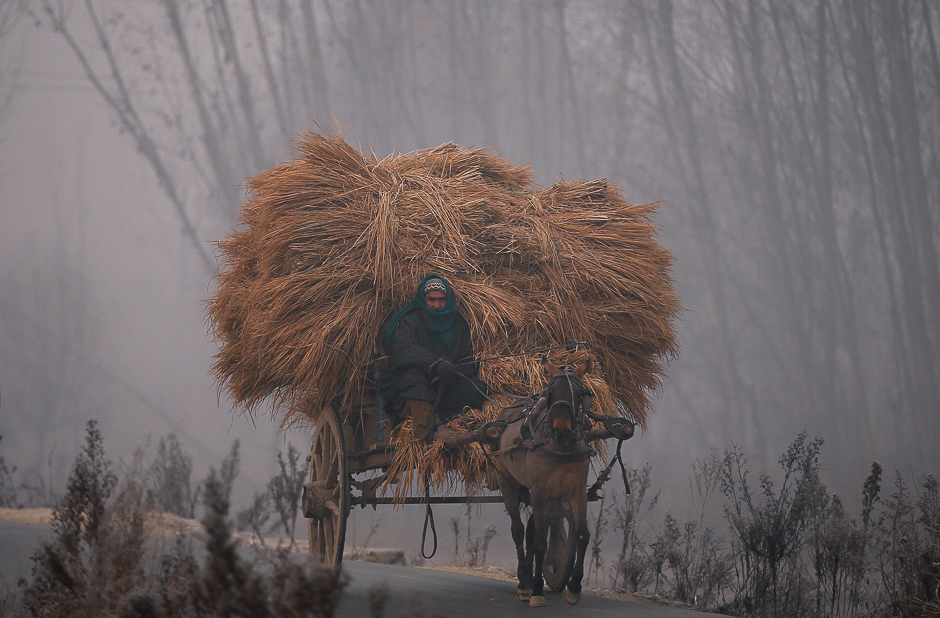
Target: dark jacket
point(414, 349)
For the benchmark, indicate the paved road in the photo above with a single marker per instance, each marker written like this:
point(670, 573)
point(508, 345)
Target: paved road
point(456, 595)
point(17, 543)
point(443, 593)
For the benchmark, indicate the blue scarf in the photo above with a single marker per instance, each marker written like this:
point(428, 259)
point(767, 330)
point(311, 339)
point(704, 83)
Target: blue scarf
point(440, 322)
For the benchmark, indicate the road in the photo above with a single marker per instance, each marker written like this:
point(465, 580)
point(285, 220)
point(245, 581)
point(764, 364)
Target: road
point(436, 592)
point(17, 543)
point(457, 595)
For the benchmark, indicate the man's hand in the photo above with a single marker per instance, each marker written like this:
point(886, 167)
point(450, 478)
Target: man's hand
point(444, 369)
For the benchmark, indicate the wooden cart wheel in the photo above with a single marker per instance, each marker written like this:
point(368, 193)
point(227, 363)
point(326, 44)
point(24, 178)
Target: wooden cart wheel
point(326, 498)
point(562, 547)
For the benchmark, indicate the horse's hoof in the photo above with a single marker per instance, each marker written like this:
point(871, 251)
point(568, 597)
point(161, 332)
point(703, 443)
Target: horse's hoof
point(572, 597)
point(523, 595)
point(536, 601)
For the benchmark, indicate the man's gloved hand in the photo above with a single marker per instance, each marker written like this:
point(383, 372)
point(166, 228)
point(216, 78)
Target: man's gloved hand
point(444, 369)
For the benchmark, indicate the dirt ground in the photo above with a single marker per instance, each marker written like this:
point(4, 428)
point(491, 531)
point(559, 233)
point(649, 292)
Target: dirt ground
point(27, 516)
point(159, 523)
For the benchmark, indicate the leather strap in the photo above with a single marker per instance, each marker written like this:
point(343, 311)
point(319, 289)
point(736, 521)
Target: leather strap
point(428, 517)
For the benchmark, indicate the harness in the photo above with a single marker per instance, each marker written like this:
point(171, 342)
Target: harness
point(616, 426)
point(539, 447)
point(533, 415)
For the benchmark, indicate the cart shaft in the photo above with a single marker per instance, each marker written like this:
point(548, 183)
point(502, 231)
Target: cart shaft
point(358, 500)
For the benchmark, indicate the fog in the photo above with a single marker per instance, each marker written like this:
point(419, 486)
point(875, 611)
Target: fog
point(793, 144)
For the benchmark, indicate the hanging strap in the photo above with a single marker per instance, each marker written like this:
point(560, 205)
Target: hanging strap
point(604, 475)
point(428, 517)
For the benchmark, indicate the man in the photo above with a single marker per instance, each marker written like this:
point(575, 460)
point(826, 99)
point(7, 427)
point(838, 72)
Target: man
point(429, 345)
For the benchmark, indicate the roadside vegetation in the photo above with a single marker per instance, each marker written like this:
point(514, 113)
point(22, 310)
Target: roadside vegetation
point(776, 545)
point(102, 562)
point(786, 546)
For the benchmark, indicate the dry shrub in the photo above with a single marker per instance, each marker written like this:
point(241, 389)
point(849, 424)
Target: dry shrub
point(7, 485)
point(94, 564)
point(230, 586)
point(170, 486)
point(334, 241)
point(99, 563)
point(906, 542)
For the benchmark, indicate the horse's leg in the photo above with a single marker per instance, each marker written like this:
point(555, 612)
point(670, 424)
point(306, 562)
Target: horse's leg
point(540, 536)
point(579, 515)
point(530, 544)
point(523, 570)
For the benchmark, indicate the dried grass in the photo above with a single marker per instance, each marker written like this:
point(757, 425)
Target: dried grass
point(334, 241)
point(414, 461)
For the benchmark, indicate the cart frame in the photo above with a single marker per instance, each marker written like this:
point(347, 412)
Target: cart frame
point(340, 450)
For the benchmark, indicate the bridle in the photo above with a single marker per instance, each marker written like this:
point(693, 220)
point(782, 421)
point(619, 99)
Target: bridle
point(543, 447)
point(575, 405)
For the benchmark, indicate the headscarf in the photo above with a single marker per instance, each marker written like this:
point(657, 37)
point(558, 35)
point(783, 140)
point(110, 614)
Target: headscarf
point(440, 322)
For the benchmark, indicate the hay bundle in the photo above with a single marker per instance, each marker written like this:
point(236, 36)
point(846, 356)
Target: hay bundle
point(413, 461)
point(334, 242)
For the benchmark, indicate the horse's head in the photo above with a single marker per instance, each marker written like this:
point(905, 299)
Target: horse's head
point(564, 396)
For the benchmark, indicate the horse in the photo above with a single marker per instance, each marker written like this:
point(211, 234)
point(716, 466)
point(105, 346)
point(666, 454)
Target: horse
point(546, 459)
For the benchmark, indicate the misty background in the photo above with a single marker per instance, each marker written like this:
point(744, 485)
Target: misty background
point(794, 146)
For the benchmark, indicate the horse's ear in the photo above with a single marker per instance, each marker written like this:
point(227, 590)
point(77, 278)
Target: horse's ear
point(584, 367)
point(549, 368)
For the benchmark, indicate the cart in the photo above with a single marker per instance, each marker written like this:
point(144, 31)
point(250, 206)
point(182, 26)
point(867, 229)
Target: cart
point(316, 256)
point(345, 445)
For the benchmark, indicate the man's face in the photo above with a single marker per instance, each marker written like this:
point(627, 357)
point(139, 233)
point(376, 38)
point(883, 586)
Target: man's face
point(436, 300)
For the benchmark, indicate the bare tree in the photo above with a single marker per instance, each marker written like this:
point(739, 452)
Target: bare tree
point(48, 341)
point(181, 83)
point(10, 13)
point(796, 143)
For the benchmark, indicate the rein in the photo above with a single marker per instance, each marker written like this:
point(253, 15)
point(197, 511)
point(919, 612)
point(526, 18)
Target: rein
point(495, 392)
point(571, 342)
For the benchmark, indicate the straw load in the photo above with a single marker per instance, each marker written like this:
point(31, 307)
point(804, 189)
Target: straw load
point(334, 242)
